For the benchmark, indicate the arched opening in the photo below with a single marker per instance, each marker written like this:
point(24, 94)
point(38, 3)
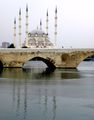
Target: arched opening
point(39, 62)
point(1, 66)
point(89, 58)
point(87, 63)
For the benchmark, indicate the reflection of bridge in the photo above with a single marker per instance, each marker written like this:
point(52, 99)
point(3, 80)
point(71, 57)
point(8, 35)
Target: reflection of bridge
point(63, 58)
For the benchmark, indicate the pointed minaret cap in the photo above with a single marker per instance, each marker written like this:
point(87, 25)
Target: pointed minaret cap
point(26, 7)
point(14, 20)
point(56, 9)
point(40, 24)
point(47, 12)
point(19, 11)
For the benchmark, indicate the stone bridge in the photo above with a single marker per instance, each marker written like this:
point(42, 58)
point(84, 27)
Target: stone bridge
point(62, 58)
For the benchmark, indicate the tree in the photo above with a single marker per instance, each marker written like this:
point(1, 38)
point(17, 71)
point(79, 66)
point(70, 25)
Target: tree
point(24, 47)
point(11, 46)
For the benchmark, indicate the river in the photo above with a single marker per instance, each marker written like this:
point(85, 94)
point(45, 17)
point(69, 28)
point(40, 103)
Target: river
point(64, 94)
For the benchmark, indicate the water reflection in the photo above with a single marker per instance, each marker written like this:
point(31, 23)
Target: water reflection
point(27, 97)
point(22, 99)
point(1, 70)
point(36, 94)
point(54, 107)
point(40, 73)
point(39, 70)
point(18, 101)
point(70, 73)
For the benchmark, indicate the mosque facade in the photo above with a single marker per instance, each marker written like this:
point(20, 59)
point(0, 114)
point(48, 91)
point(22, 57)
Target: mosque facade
point(36, 38)
point(39, 39)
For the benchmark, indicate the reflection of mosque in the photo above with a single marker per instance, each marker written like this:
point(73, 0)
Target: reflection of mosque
point(25, 106)
point(32, 92)
point(37, 38)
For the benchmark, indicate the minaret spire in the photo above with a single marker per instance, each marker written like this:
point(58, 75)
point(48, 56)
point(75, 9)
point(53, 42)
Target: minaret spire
point(26, 25)
point(47, 23)
point(40, 25)
point(20, 28)
point(14, 41)
point(55, 33)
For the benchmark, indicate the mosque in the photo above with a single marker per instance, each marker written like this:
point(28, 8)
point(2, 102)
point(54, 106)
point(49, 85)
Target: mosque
point(39, 39)
point(36, 38)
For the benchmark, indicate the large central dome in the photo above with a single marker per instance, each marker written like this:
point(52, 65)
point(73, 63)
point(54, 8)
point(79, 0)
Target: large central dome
point(38, 32)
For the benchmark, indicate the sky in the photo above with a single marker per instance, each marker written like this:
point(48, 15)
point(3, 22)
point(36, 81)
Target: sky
point(75, 20)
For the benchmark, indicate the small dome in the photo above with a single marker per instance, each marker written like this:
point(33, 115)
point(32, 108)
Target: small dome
point(39, 32)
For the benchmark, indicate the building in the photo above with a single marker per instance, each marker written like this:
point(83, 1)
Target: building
point(5, 44)
point(38, 39)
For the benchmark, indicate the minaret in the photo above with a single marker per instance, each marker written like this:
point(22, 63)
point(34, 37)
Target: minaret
point(26, 25)
point(47, 23)
point(40, 25)
point(20, 28)
point(14, 41)
point(55, 33)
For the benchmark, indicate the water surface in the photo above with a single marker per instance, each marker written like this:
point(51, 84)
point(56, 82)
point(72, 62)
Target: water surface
point(37, 95)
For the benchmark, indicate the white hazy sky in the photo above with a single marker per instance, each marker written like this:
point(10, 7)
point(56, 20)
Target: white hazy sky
point(75, 20)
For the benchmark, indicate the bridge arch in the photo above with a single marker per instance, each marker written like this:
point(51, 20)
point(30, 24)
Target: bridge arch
point(83, 57)
point(1, 65)
point(88, 58)
point(47, 61)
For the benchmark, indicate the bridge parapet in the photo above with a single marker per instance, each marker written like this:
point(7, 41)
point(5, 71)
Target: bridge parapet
point(65, 58)
point(45, 50)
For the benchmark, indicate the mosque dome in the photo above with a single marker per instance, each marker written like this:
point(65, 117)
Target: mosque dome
point(38, 32)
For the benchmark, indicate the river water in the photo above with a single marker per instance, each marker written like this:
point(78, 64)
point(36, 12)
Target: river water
point(64, 94)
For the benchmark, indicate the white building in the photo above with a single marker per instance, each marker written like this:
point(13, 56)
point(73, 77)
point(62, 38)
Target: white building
point(39, 39)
